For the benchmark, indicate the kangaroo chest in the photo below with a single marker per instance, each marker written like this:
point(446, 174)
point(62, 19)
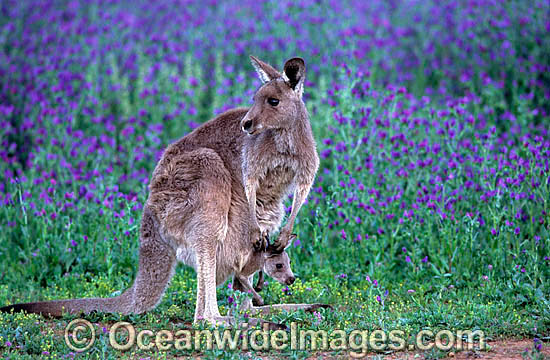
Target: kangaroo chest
point(273, 160)
point(273, 187)
point(275, 184)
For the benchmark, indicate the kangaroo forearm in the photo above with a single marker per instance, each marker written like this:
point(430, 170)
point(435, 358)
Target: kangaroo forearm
point(246, 286)
point(260, 284)
point(250, 190)
point(300, 195)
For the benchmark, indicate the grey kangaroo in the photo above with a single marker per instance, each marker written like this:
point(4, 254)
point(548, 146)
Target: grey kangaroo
point(271, 261)
point(215, 197)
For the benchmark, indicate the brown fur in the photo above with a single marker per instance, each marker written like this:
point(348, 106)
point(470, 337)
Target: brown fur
point(274, 263)
point(215, 193)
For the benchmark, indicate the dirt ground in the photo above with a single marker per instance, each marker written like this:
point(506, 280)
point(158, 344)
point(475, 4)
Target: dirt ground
point(504, 349)
point(498, 350)
point(495, 349)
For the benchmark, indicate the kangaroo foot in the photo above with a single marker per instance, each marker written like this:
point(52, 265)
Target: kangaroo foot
point(271, 325)
point(230, 322)
point(216, 321)
point(317, 306)
point(267, 309)
point(257, 301)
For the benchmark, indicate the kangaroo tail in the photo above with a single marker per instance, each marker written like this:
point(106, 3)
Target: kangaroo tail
point(56, 308)
point(157, 260)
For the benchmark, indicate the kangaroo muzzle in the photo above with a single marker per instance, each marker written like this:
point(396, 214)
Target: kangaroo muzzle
point(250, 124)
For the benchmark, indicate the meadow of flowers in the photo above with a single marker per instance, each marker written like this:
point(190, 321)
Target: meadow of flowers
point(431, 206)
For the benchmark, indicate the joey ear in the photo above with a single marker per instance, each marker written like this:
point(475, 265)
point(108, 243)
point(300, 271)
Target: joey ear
point(265, 71)
point(291, 239)
point(294, 74)
point(290, 242)
point(272, 251)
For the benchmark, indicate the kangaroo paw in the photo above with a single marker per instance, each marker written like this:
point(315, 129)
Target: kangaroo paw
point(261, 243)
point(314, 307)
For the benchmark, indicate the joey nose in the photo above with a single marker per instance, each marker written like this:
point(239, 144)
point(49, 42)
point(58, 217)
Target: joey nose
point(247, 125)
point(290, 280)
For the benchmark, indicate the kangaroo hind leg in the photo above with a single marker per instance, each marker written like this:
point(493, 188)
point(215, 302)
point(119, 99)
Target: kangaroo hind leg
point(192, 192)
point(208, 232)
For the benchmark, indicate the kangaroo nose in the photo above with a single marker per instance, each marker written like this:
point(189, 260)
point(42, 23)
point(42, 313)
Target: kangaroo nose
point(247, 125)
point(290, 280)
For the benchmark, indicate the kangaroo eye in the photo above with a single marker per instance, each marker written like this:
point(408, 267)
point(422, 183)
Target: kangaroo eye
point(279, 266)
point(273, 101)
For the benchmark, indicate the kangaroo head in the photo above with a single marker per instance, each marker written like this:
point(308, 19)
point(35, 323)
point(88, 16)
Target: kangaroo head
point(278, 102)
point(277, 265)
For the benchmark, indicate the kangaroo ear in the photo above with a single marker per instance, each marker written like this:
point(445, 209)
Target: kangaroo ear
point(265, 71)
point(290, 241)
point(294, 74)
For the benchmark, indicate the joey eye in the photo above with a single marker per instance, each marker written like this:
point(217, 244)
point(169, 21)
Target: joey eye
point(279, 266)
point(273, 101)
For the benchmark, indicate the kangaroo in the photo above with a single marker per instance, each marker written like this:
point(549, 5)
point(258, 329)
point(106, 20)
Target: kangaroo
point(216, 195)
point(274, 263)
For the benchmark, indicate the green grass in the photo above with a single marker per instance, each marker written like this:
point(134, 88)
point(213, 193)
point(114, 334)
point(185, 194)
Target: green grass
point(370, 283)
point(427, 214)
